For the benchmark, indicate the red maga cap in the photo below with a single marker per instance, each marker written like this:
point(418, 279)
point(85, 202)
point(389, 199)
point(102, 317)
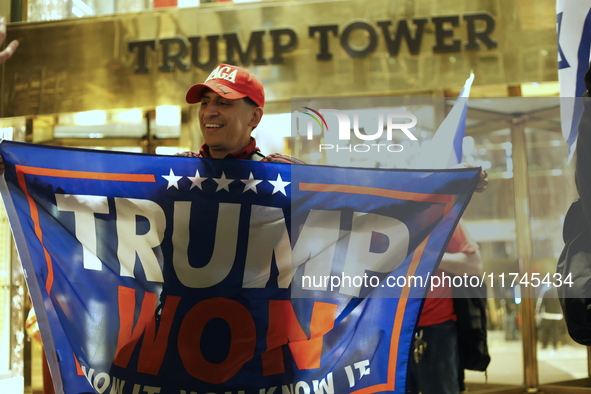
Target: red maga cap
point(230, 82)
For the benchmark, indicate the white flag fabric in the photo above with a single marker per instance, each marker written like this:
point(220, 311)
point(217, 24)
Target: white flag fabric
point(445, 148)
point(573, 21)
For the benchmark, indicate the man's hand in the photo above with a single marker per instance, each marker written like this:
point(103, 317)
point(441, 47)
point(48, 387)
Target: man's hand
point(10, 48)
point(482, 182)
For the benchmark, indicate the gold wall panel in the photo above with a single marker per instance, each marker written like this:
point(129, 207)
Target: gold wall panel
point(86, 64)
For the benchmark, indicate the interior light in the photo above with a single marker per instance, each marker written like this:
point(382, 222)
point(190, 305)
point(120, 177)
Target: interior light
point(128, 116)
point(83, 7)
point(78, 12)
point(468, 145)
point(90, 118)
point(509, 164)
point(517, 291)
point(188, 3)
point(169, 150)
point(6, 133)
point(168, 115)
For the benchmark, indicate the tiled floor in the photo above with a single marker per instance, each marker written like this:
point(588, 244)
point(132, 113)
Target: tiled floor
point(568, 362)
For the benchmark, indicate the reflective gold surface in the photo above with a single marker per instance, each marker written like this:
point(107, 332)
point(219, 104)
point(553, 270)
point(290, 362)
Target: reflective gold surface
point(524, 249)
point(85, 64)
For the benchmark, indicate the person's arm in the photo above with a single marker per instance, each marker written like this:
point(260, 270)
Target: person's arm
point(462, 263)
point(462, 255)
point(10, 48)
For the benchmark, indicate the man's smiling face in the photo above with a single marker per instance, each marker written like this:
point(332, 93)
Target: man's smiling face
point(226, 124)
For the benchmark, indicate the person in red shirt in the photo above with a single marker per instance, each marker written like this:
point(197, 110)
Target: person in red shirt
point(437, 370)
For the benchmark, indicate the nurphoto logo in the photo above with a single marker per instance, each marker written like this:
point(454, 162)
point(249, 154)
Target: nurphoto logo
point(387, 123)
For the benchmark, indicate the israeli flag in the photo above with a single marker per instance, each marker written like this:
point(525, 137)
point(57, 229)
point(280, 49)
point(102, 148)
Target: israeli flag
point(573, 19)
point(445, 148)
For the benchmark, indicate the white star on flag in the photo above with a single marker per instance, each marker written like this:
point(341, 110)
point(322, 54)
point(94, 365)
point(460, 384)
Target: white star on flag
point(279, 185)
point(223, 182)
point(173, 180)
point(250, 184)
point(196, 180)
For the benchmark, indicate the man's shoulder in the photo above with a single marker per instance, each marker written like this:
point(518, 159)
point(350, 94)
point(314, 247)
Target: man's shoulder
point(189, 154)
point(279, 158)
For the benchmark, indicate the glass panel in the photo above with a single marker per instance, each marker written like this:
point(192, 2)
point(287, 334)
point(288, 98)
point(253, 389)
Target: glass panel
point(272, 132)
point(132, 149)
point(19, 308)
point(167, 123)
point(5, 279)
point(552, 189)
point(41, 10)
point(12, 289)
point(121, 130)
point(12, 129)
point(490, 219)
point(127, 123)
point(44, 10)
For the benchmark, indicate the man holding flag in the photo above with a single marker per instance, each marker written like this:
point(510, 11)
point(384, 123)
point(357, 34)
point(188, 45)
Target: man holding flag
point(233, 323)
point(438, 370)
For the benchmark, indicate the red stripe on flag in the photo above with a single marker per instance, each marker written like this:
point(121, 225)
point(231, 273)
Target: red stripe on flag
point(374, 191)
point(78, 367)
point(105, 176)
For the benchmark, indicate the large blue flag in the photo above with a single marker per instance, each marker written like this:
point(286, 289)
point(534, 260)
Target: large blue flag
point(158, 274)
